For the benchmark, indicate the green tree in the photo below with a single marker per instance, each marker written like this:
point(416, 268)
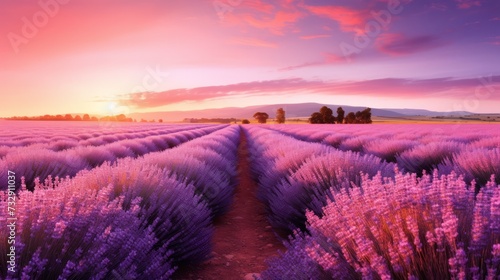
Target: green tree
point(86, 117)
point(245, 121)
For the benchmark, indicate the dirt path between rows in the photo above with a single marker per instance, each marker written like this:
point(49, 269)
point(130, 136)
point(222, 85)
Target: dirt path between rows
point(243, 238)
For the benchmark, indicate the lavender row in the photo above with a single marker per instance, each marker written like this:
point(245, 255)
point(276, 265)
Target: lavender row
point(486, 136)
point(294, 175)
point(14, 133)
point(403, 228)
point(41, 163)
point(417, 148)
point(97, 138)
point(131, 219)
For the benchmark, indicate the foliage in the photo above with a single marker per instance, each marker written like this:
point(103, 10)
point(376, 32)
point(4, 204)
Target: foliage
point(340, 115)
point(325, 115)
point(261, 117)
point(280, 115)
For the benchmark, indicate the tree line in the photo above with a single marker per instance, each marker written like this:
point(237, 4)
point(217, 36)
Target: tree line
point(85, 117)
point(324, 116)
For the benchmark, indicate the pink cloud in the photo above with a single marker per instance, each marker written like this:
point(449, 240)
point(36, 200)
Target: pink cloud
point(276, 24)
point(156, 99)
point(350, 20)
point(258, 5)
point(467, 4)
point(276, 18)
point(399, 44)
point(381, 88)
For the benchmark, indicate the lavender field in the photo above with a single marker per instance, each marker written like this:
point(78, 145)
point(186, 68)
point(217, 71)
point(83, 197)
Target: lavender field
point(142, 201)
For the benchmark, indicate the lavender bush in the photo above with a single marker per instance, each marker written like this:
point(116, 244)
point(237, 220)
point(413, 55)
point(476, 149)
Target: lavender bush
point(68, 234)
point(476, 164)
point(427, 157)
point(402, 228)
point(311, 185)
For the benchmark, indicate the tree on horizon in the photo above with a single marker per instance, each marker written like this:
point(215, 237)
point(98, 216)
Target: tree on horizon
point(280, 115)
point(350, 118)
point(327, 115)
point(261, 117)
point(340, 115)
point(316, 118)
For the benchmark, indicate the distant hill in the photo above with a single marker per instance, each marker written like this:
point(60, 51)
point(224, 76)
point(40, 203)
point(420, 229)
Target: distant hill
point(427, 113)
point(292, 111)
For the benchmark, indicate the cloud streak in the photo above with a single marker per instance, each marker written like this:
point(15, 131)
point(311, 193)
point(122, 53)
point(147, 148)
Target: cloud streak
point(328, 59)
point(400, 44)
point(382, 88)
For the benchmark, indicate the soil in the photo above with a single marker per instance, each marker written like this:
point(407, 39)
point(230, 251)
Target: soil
point(243, 239)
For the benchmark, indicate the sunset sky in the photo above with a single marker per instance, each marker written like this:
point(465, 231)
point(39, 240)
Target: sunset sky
point(123, 56)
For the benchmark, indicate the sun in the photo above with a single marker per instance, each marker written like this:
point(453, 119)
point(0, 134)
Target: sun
point(113, 108)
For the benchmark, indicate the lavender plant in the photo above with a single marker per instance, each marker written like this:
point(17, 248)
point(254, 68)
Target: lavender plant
point(402, 228)
point(68, 234)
